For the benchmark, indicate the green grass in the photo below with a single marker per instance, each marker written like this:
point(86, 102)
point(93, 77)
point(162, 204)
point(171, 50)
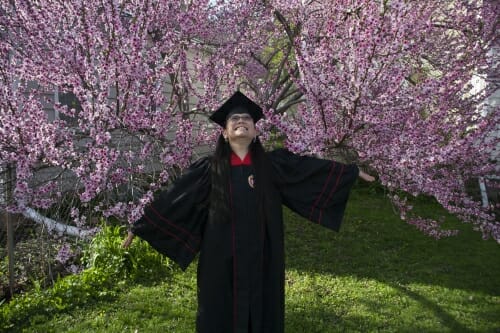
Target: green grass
point(378, 274)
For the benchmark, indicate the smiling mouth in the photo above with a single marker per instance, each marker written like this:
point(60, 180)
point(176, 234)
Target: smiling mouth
point(240, 127)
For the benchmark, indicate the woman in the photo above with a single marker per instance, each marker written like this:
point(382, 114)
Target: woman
point(228, 207)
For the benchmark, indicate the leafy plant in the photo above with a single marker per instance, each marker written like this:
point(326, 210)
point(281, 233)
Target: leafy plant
point(109, 268)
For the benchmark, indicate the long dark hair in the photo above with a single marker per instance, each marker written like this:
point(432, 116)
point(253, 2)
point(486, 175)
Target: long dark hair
point(220, 209)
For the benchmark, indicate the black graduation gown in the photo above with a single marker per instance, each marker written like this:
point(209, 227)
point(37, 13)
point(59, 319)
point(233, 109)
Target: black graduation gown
point(241, 264)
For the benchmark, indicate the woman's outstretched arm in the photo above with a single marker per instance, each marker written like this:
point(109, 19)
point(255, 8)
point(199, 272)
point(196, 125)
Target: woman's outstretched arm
point(363, 175)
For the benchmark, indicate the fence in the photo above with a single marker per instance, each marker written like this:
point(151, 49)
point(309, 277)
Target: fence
point(27, 255)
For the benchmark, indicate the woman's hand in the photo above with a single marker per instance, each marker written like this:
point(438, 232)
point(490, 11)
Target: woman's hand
point(363, 175)
point(128, 240)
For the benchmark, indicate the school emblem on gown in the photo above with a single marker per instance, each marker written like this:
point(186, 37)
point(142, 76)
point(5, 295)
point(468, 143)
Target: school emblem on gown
point(251, 181)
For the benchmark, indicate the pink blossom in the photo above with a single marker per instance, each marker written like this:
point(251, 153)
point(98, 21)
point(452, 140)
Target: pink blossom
point(383, 84)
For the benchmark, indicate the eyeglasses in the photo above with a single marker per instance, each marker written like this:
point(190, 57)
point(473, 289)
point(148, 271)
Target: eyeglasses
point(237, 117)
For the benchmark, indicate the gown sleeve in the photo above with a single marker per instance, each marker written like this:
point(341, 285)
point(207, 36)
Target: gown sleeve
point(314, 188)
point(173, 223)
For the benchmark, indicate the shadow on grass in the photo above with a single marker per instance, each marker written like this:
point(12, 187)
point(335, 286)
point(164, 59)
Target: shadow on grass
point(323, 320)
point(375, 243)
point(445, 318)
point(316, 320)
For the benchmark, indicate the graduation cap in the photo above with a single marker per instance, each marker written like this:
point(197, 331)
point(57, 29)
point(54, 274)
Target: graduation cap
point(238, 103)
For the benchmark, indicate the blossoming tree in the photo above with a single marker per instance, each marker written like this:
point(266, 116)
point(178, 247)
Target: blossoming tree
point(384, 83)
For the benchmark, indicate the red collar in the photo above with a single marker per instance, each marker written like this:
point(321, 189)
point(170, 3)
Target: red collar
point(235, 160)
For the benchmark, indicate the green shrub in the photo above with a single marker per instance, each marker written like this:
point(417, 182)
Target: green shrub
point(108, 269)
point(138, 262)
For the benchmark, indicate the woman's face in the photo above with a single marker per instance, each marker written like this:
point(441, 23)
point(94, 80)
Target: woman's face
point(240, 126)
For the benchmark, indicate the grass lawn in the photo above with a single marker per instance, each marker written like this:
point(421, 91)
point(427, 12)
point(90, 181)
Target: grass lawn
point(378, 274)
